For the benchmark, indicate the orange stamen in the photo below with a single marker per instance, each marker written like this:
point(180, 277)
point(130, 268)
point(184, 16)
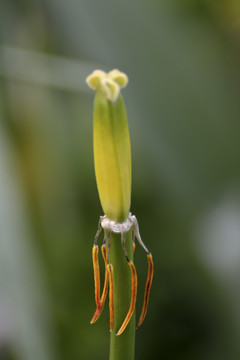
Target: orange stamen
point(133, 299)
point(111, 295)
point(147, 289)
point(105, 288)
point(96, 277)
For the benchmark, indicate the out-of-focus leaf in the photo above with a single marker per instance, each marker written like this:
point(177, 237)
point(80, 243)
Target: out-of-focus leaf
point(23, 306)
point(43, 70)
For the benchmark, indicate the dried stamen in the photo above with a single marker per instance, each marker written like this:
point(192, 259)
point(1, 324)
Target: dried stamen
point(105, 288)
point(147, 289)
point(111, 295)
point(96, 275)
point(133, 299)
point(122, 228)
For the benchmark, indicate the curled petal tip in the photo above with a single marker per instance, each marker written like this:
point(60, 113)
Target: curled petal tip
point(119, 77)
point(110, 88)
point(108, 83)
point(93, 80)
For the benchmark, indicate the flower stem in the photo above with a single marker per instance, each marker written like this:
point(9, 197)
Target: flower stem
point(122, 347)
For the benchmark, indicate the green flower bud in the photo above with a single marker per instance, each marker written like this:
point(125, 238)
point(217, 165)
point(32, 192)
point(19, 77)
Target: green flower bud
point(112, 150)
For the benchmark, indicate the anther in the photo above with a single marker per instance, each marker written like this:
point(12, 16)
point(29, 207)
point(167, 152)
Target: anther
point(96, 275)
point(147, 289)
point(111, 226)
point(105, 288)
point(111, 295)
point(133, 299)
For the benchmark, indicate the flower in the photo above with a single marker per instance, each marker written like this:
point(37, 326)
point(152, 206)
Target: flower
point(112, 160)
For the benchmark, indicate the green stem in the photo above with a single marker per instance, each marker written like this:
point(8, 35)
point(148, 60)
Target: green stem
point(122, 347)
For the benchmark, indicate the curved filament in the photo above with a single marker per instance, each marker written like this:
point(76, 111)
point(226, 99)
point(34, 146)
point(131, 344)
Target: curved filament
point(134, 247)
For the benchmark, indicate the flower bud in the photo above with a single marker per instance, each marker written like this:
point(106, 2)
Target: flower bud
point(112, 150)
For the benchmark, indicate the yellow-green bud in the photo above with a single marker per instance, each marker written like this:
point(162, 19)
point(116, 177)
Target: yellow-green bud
point(112, 150)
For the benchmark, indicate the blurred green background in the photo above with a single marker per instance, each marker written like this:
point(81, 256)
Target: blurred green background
point(183, 62)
